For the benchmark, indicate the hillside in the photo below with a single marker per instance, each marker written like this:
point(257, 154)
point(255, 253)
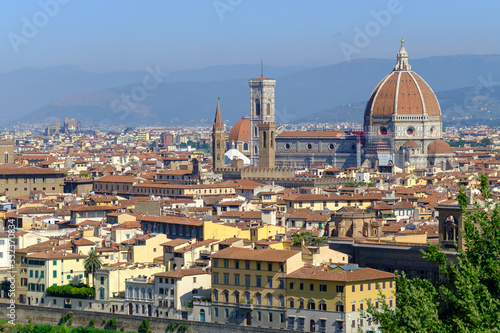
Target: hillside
point(189, 97)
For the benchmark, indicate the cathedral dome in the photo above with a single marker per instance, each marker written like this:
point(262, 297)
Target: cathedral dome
point(402, 92)
point(240, 131)
point(439, 146)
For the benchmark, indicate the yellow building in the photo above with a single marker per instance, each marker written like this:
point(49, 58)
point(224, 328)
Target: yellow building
point(332, 202)
point(331, 298)
point(248, 286)
point(50, 268)
point(143, 249)
point(214, 230)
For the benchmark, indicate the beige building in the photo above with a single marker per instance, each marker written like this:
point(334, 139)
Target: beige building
point(50, 268)
point(17, 181)
point(176, 290)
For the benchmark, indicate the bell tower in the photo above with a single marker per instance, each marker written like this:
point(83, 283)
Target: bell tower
point(261, 111)
point(267, 145)
point(218, 141)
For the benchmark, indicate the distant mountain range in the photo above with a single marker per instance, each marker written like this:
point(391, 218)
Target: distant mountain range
point(465, 84)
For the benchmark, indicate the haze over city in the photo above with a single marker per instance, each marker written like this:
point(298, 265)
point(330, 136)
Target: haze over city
point(240, 166)
point(127, 35)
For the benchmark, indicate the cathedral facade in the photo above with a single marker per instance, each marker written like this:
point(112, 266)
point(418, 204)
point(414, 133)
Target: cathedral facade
point(402, 126)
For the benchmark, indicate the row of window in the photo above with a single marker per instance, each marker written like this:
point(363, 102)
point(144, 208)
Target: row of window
point(26, 189)
point(134, 293)
point(258, 280)
point(247, 298)
point(36, 286)
point(238, 314)
point(258, 265)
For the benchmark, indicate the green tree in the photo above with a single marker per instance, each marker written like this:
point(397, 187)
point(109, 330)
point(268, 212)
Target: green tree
point(485, 142)
point(467, 298)
point(5, 287)
point(92, 263)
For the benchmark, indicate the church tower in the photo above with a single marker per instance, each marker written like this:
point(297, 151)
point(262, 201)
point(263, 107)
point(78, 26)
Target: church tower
point(261, 111)
point(267, 144)
point(218, 141)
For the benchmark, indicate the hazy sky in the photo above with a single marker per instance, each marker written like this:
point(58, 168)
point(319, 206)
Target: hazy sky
point(122, 34)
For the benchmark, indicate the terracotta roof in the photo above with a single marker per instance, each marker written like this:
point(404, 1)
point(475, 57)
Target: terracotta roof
point(240, 131)
point(410, 143)
point(181, 273)
point(439, 146)
point(83, 241)
point(175, 242)
point(402, 93)
point(171, 220)
point(311, 134)
point(319, 273)
point(259, 255)
point(55, 255)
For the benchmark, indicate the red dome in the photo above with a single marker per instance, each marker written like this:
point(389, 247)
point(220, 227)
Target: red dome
point(240, 131)
point(439, 146)
point(403, 93)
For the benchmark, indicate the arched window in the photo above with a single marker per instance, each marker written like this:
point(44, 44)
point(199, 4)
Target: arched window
point(245, 146)
point(6, 157)
point(257, 107)
point(269, 300)
point(136, 292)
point(130, 292)
point(216, 295)
point(101, 293)
point(264, 139)
point(247, 297)
point(340, 307)
point(311, 305)
point(268, 109)
point(291, 301)
point(258, 296)
point(255, 149)
point(143, 293)
point(150, 293)
point(282, 301)
point(236, 297)
point(272, 138)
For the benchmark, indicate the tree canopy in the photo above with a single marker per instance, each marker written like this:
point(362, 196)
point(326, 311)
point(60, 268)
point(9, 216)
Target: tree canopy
point(467, 297)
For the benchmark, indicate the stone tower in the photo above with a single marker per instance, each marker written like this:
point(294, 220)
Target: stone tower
point(261, 111)
point(218, 141)
point(267, 144)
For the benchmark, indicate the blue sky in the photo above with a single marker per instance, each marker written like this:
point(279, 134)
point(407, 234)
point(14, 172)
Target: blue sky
point(129, 35)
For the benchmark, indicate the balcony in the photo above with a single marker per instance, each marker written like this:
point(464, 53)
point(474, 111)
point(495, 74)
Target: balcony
point(246, 306)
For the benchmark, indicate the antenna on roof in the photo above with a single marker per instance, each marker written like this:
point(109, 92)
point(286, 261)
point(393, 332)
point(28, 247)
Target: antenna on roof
point(261, 68)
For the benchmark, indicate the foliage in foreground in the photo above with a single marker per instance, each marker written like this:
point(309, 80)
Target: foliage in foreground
point(81, 290)
point(467, 298)
point(44, 328)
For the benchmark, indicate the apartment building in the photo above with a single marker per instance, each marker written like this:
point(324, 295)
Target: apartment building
point(248, 286)
point(331, 298)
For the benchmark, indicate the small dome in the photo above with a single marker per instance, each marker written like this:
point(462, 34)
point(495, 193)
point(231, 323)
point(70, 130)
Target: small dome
point(439, 146)
point(240, 131)
point(411, 143)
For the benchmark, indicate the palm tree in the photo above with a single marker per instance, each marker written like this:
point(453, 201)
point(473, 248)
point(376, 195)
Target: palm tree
point(92, 263)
